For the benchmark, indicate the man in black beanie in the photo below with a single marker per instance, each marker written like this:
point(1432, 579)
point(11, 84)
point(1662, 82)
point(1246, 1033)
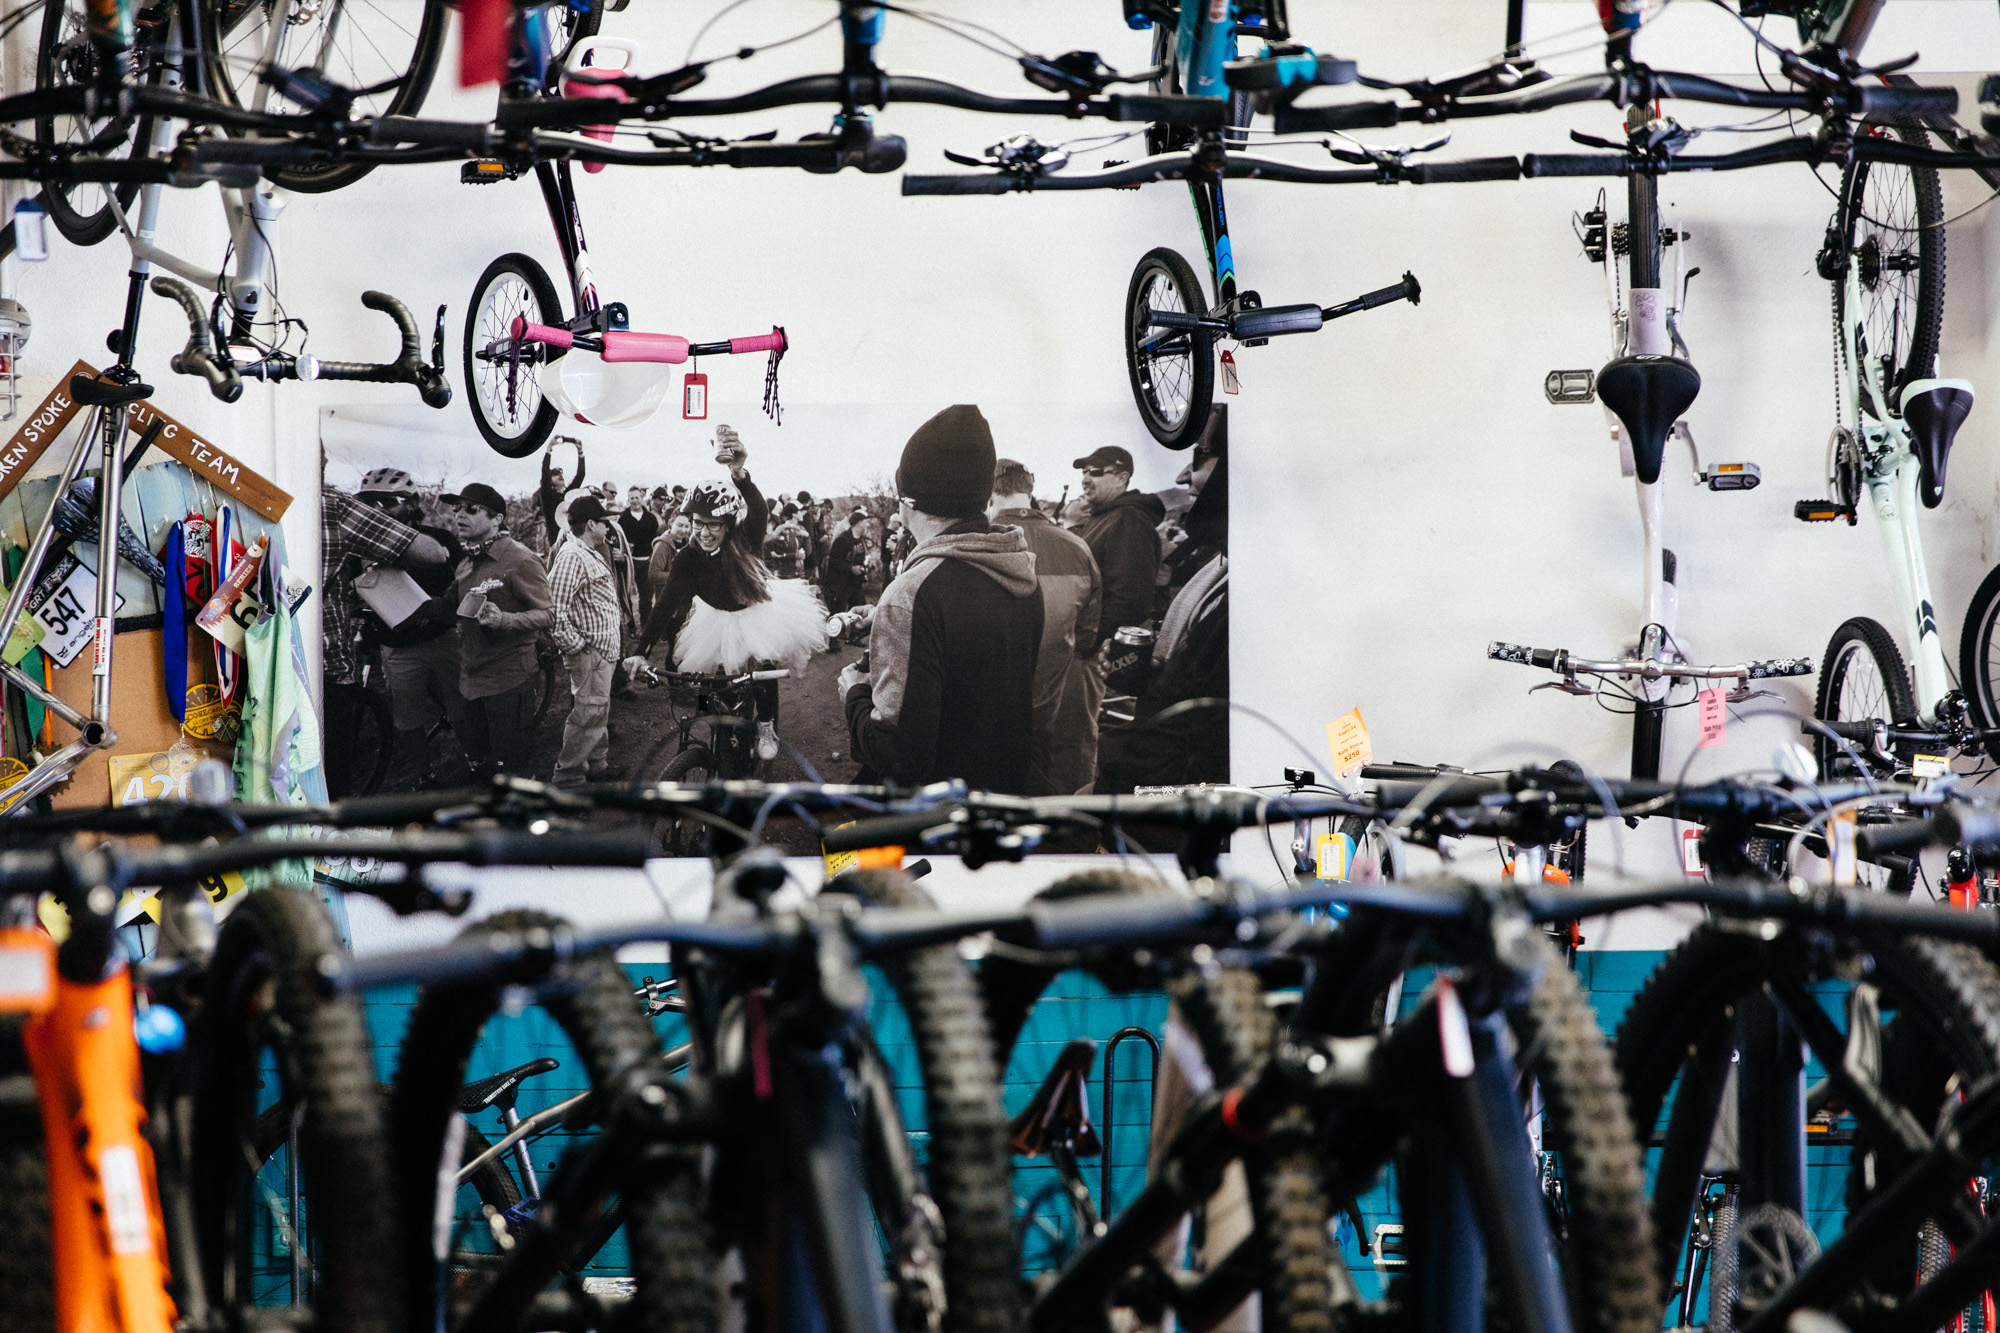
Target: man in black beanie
point(950, 693)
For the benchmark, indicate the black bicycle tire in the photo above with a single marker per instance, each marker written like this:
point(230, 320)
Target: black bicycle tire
point(278, 947)
point(549, 666)
point(612, 1040)
point(543, 423)
point(1697, 985)
point(324, 178)
point(1357, 828)
point(1235, 1030)
point(76, 228)
point(27, 1253)
point(678, 769)
point(1878, 643)
point(374, 709)
point(1975, 642)
point(969, 1171)
point(1928, 319)
point(1201, 354)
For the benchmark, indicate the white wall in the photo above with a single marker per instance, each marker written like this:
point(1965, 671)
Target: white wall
point(1402, 491)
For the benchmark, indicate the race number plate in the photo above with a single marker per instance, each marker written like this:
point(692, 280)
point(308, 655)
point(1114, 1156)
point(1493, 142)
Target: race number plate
point(61, 604)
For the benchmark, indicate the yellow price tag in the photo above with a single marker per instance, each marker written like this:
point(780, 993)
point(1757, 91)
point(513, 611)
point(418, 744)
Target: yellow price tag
point(1335, 855)
point(1347, 739)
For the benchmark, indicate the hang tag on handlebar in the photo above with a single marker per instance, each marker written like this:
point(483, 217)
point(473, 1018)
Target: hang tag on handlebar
point(1691, 853)
point(694, 397)
point(1230, 383)
point(1713, 717)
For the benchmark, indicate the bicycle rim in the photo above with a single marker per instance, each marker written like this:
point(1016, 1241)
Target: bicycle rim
point(80, 210)
point(505, 396)
point(1164, 364)
point(1894, 237)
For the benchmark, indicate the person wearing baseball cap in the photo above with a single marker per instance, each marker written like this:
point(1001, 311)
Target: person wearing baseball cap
point(951, 689)
point(846, 564)
point(420, 659)
point(1121, 533)
point(503, 605)
point(586, 624)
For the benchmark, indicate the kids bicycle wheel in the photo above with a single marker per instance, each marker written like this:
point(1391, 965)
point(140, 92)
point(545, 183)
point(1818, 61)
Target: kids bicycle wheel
point(506, 399)
point(1979, 656)
point(1172, 370)
point(385, 50)
point(64, 58)
point(1862, 678)
point(1890, 228)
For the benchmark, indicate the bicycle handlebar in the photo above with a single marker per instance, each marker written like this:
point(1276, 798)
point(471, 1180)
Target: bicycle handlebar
point(1561, 660)
point(1236, 166)
point(408, 368)
point(199, 356)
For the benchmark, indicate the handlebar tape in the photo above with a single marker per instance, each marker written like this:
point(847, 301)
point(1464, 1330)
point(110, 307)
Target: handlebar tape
point(1904, 835)
point(884, 831)
point(1525, 656)
point(1779, 666)
point(1575, 164)
point(199, 357)
point(1195, 113)
point(1918, 102)
point(994, 183)
point(1352, 116)
point(472, 137)
point(1474, 169)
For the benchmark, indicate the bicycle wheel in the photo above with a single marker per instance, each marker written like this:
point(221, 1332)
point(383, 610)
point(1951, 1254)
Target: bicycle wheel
point(660, 1191)
point(1979, 656)
point(80, 210)
point(1234, 1029)
point(1374, 846)
point(27, 1256)
point(679, 835)
point(1172, 371)
point(506, 400)
point(1678, 1036)
point(385, 50)
point(967, 1176)
point(1891, 228)
point(374, 743)
point(1862, 678)
point(269, 1032)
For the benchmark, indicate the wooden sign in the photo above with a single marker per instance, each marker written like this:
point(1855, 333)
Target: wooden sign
point(214, 465)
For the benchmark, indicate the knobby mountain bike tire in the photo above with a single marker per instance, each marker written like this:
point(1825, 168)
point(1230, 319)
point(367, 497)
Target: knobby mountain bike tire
point(386, 49)
point(264, 993)
point(1946, 998)
point(679, 835)
point(1862, 677)
point(1979, 656)
point(1173, 380)
point(514, 420)
point(27, 1254)
point(660, 1192)
point(1226, 1014)
point(968, 1173)
point(1891, 224)
point(81, 210)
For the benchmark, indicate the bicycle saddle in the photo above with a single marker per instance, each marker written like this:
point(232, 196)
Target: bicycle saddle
point(1934, 410)
point(1059, 1113)
point(1648, 393)
point(91, 392)
point(499, 1089)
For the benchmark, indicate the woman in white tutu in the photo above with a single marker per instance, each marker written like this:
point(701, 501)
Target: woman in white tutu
point(721, 608)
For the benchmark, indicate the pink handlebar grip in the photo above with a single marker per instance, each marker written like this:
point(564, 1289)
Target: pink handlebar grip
point(660, 347)
point(774, 341)
point(584, 83)
point(542, 333)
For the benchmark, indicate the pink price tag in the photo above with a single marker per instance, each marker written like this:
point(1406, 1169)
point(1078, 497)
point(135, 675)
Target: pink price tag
point(1713, 717)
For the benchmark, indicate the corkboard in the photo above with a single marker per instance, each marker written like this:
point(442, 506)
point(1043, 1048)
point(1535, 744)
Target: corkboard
point(138, 703)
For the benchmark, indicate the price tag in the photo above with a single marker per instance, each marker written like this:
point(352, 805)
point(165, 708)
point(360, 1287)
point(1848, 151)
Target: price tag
point(1335, 856)
point(1713, 717)
point(1840, 847)
point(61, 604)
point(27, 971)
point(1929, 765)
point(694, 397)
point(1691, 853)
point(1347, 738)
point(1230, 384)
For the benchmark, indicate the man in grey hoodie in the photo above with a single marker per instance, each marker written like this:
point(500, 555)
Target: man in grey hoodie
point(951, 689)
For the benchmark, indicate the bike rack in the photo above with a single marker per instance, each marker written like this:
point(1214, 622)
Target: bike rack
point(1110, 1057)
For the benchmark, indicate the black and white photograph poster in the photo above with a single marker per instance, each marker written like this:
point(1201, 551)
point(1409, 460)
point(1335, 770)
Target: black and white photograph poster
point(1023, 598)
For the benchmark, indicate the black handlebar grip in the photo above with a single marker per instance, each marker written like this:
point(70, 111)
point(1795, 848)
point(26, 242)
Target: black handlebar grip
point(1904, 835)
point(1575, 164)
point(1883, 102)
point(1351, 116)
point(609, 847)
point(28, 872)
point(995, 183)
point(886, 831)
point(1271, 321)
point(472, 136)
point(1474, 169)
point(1114, 920)
point(1847, 731)
point(398, 808)
point(885, 153)
point(1195, 113)
point(1780, 666)
point(1978, 829)
point(1406, 290)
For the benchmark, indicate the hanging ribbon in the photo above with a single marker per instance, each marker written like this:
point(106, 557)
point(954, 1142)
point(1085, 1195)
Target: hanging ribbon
point(771, 408)
point(225, 552)
point(173, 608)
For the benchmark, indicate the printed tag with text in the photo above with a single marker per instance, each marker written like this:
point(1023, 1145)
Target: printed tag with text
point(1713, 717)
point(1929, 765)
point(1691, 853)
point(1347, 739)
point(1230, 383)
point(1840, 847)
point(1335, 855)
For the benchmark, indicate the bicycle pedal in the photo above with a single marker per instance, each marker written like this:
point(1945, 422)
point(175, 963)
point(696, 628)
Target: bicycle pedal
point(1822, 511)
point(485, 171)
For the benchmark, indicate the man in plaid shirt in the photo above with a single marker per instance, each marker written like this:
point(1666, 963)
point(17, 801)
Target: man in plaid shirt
point(585, 627)
point(349, 528)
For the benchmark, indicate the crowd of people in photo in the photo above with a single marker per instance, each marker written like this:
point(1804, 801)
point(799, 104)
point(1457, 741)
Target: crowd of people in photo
point(1013, 641)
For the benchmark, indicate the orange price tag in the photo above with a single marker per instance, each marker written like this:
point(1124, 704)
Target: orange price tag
point(1347, 739)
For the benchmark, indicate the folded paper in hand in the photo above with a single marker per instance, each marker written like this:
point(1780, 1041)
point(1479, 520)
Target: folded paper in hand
point(391, 594)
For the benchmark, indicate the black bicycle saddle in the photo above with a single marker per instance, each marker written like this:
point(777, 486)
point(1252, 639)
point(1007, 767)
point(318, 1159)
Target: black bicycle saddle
point(92, 392)
point(1059, 1112)
point(1648, 393)
point(1934, 410)
point(499, 1089)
